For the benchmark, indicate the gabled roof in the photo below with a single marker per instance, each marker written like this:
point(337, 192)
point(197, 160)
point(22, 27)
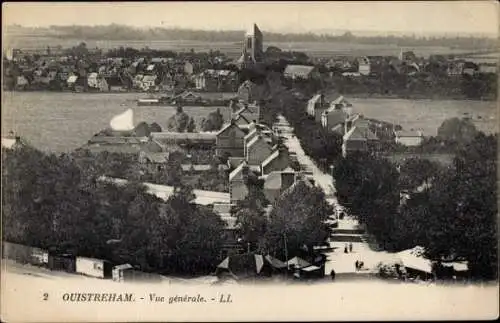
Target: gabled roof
point(360, 134)
point(341, 100)
point(229, 125)
point(315, 99)
point(274, 262)
point(237, 170)
point(250, 134)
point(270, 158)
point(240, 116)
point(339, 128)
point(254, 140)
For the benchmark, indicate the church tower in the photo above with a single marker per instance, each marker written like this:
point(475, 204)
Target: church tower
point(252, 46)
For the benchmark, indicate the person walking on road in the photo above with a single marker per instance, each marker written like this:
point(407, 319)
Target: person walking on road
point(356, 264)
point(332, 274)
point(346, 249)
point(350, 247)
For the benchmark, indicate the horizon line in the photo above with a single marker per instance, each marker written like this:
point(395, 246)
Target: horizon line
point(320, 31)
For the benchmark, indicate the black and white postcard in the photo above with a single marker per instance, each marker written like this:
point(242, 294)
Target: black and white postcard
point(249, 161)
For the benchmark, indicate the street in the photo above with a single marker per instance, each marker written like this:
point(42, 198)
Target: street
point(348, 230)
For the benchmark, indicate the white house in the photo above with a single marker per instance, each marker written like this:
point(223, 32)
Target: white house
point(409, 138)
point(94, 267)
point(364, 67)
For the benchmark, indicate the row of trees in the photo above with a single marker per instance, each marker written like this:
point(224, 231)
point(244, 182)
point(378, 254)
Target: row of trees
point(295, 224)
point(421, 85)
point(453, 214)
point(54, 202)
point(321, 145)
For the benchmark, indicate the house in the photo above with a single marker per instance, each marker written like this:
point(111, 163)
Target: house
point(127, 273)
point(301, 72)
point(251, 112)
point(11, 141)
point(229, 141)
point(188, 68)
point(461, 67)
point(333, 117)
point(97, 83)
point(94, 267)
point(171, 141)
point(118, 272)
point(137, 81)
point(233, 162)
point(257, 150)
point(238, 189)
point(249, 92)
point(278, 182)
point(217, 81)
point(148, 83)
point(357, 138)
point(315, 106)
point(22, 83)
point(224, 210)
point(487, 68)
point(252, 133)
point(409, 138)
point(276, 162)
point(241, 120)
point(154, 159)
point(470, 68)
point(364, 66)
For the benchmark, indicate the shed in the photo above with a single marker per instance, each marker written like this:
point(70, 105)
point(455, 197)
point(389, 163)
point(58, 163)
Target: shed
point(94, 267)
point(63, 262)
point(298, 263)
point(24, 254)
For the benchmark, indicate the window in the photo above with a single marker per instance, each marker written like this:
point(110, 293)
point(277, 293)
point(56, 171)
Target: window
point(249, 43)
point(97, 266)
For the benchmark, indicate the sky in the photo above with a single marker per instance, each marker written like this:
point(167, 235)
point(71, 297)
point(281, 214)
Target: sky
point(415, 17)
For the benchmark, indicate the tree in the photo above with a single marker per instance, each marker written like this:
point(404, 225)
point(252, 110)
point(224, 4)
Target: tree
point(368, 187)
point(457, 130)
point(415, 172)
point(191, 127)
point(179, 121)
point(214, 121)
point(298, 216)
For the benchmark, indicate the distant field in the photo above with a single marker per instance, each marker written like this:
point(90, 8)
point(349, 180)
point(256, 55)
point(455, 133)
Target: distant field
point(233, 49)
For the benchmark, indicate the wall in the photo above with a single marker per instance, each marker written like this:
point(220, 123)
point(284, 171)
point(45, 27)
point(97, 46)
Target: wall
point(231, 142)
point(238, 190)
point(410, 141)
point(90, 267)
point(278, 164)
point(24, 254)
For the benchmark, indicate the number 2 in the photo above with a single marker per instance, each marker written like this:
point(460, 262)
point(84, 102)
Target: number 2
point(45, 296)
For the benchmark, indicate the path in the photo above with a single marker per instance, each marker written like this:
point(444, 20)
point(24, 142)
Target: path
point(348, 230)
